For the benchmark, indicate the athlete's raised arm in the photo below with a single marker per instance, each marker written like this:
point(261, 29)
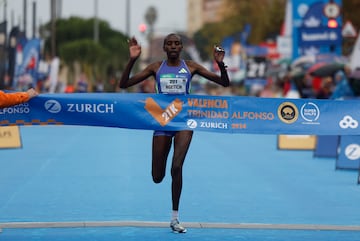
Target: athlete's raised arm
point(223, 79)
point(135, 51)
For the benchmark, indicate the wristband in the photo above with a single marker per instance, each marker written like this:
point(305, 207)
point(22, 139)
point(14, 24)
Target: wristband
point(222, 65)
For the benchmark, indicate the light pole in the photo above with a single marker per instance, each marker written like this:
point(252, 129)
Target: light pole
point(5, 6)
point(127, 20)
point(53, 28)
point(34, 19)
point(25, 16)
point(96, 22)
point(150, 17)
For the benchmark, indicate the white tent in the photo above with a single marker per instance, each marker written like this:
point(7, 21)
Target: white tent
point(355, 55)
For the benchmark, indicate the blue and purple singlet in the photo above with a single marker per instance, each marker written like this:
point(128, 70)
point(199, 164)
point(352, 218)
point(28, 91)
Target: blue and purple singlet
point(173, 79)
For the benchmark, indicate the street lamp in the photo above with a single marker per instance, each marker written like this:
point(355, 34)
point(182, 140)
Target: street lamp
point(150, 17)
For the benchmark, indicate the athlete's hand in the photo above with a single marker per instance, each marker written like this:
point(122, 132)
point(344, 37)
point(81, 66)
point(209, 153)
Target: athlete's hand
point(134, 48)
point(219, 54)
point(32, 93)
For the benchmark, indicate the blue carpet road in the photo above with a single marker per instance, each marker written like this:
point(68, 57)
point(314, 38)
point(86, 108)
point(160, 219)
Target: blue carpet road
point(74, 174)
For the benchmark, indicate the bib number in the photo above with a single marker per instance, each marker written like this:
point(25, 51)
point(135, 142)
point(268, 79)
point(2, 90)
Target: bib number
point(173, 85)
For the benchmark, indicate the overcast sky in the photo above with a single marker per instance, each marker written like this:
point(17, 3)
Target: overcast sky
point(171, 13)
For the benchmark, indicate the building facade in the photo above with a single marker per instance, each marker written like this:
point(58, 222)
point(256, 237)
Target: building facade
point(201, 12)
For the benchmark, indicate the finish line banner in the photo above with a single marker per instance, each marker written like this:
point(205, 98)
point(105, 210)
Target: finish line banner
point(226, 114)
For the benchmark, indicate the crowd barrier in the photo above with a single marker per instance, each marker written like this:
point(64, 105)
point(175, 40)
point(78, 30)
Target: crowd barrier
point(348, 153)
point(326, 146)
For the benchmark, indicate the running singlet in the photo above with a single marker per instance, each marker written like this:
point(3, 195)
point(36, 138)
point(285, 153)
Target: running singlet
point(173, 79)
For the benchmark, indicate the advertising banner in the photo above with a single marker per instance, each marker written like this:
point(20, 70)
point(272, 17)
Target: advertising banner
point(349, 153)
point(311, 33)
point(326, 146)
point(27, 61)
point(226, 114)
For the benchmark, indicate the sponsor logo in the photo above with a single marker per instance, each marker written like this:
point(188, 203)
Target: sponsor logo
point(213, 125)
point(348, 122)
point(288, 112)
point(312, 22)
point(163, 116)
point(352, 152)
point(191, 123)
point(310, 112)
point(53, 106)
point(319, 36)
point(90, 108)
point(182, 71)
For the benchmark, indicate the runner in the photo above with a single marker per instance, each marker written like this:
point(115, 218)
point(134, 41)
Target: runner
point(181, 72)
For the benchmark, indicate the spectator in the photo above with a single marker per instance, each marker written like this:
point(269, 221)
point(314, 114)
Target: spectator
point(10, 99)
point(342, 87)
point(82, 84)
point(325, 89)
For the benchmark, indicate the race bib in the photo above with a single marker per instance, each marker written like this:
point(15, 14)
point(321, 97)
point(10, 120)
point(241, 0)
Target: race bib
point(172, 84)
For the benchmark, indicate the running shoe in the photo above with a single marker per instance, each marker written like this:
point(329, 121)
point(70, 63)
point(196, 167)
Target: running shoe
point(176, 227)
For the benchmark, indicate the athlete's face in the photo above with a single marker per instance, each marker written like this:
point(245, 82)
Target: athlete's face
point(173, 46)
